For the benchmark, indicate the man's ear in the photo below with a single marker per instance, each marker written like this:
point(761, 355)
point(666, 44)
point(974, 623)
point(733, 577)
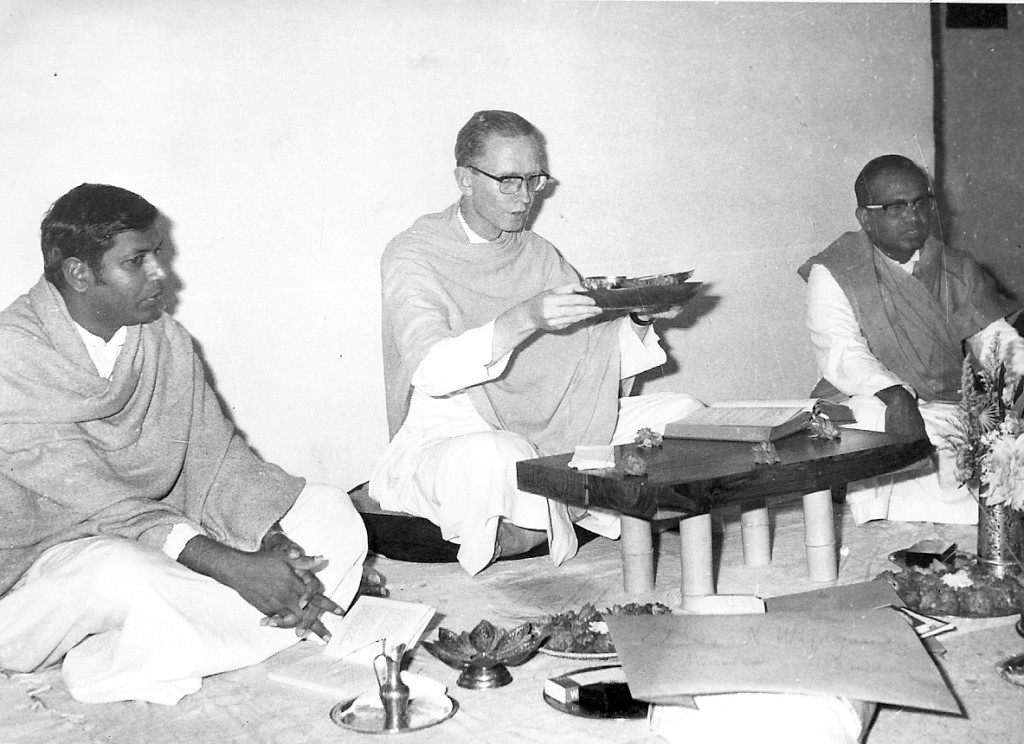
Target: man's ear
point(464, 179)
point(866, 219)
point(77, 274)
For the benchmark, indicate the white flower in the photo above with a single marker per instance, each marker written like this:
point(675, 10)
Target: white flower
point(958, 580)
point(1004, 471)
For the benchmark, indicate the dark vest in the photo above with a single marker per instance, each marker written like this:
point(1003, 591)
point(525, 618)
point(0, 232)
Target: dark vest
point(915, 325)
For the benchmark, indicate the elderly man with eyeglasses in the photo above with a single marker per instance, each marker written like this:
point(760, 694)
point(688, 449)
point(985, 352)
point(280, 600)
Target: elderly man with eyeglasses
point(492, 355)
point(892, 312)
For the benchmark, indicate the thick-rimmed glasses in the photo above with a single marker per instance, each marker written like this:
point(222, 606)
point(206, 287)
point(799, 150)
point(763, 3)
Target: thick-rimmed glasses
point(535, 182)
point(922, 205)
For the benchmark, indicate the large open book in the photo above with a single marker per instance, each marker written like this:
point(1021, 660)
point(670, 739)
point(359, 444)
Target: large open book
point(372, 625)
point(754, 420)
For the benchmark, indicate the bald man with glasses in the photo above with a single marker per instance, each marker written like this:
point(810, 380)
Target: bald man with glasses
point(492, 355)
point(892, 311)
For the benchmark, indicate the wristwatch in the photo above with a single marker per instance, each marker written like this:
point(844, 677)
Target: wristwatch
point(639, 321)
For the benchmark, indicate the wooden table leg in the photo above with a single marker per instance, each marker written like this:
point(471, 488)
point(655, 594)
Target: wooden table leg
point(757, 547)
point(637, 555)
point(820, 537)
point(695, 556)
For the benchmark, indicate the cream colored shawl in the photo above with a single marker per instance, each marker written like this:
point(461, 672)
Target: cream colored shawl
point(559, 389)
point(131, 456)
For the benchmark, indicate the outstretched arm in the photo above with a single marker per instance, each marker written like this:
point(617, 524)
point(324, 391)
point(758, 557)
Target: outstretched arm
point(551, 310)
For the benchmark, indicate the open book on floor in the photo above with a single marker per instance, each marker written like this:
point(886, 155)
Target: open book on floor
point(372, 625)
point(755, 420)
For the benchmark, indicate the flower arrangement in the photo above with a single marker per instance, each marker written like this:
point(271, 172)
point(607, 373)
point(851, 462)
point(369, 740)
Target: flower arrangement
point(988, 433)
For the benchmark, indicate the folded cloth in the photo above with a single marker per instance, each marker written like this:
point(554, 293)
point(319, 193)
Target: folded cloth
point(593, 457)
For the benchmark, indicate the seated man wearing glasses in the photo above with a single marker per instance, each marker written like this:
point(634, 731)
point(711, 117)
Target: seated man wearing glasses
point(890, 310)
point(492, 355)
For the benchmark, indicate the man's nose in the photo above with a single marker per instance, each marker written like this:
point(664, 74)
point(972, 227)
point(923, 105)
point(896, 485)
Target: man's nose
point(914, 217)
point(155, 270)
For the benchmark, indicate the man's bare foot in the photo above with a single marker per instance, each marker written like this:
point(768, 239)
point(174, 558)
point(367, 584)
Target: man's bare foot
point(373, 583)
point(515, 540)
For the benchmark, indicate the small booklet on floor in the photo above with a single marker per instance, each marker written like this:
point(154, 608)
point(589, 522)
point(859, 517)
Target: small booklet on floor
point(372, 625)
point(375, 624)
point(755, 420)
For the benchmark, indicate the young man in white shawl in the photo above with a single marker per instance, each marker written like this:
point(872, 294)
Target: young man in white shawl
point(143, 543)
point(493, 355)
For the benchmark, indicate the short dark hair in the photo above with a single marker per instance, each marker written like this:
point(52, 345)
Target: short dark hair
point(882, 165)
point(83, 223)
point(482, 125)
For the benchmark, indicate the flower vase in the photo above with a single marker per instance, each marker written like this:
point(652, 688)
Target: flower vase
point(999, 537)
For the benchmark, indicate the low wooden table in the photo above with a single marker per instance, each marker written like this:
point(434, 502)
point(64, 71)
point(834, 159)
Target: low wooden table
point(687, 478)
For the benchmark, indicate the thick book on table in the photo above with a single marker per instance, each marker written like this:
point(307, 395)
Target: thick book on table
point(754, 420)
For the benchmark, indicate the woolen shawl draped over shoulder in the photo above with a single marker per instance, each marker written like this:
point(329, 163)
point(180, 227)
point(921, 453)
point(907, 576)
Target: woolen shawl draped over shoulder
point(559, 389)
point(915, 324)
point(131, 456)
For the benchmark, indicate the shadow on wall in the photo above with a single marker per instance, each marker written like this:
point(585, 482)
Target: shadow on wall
point(168, 254)
point(173, 288)
point(702, 304)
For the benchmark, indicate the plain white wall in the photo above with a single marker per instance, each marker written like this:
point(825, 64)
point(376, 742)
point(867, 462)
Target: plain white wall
point(288, 141)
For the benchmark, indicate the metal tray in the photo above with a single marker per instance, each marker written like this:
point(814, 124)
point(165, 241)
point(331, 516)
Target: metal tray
point(643, 297)
point(365, 714)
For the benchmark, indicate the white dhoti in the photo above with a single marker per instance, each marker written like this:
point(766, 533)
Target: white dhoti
point(133, 624)
point(924, 492)
point(466, 483)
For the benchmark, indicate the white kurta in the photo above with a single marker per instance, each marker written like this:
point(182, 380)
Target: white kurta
point(928, 491)
point(448, 465)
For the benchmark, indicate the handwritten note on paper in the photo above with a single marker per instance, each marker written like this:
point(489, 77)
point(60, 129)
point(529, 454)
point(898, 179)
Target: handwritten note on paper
point(869, 655)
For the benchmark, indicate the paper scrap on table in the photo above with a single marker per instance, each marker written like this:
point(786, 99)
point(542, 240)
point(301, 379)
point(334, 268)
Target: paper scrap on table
point(863, 655)
point(593, 457)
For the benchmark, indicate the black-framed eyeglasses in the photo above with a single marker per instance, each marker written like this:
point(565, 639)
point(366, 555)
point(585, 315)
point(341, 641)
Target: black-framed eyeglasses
point(900, 208)
point(535, 182)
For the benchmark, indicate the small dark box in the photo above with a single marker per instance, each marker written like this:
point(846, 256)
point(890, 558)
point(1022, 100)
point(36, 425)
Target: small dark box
point(924, 552)
point(606, 697)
